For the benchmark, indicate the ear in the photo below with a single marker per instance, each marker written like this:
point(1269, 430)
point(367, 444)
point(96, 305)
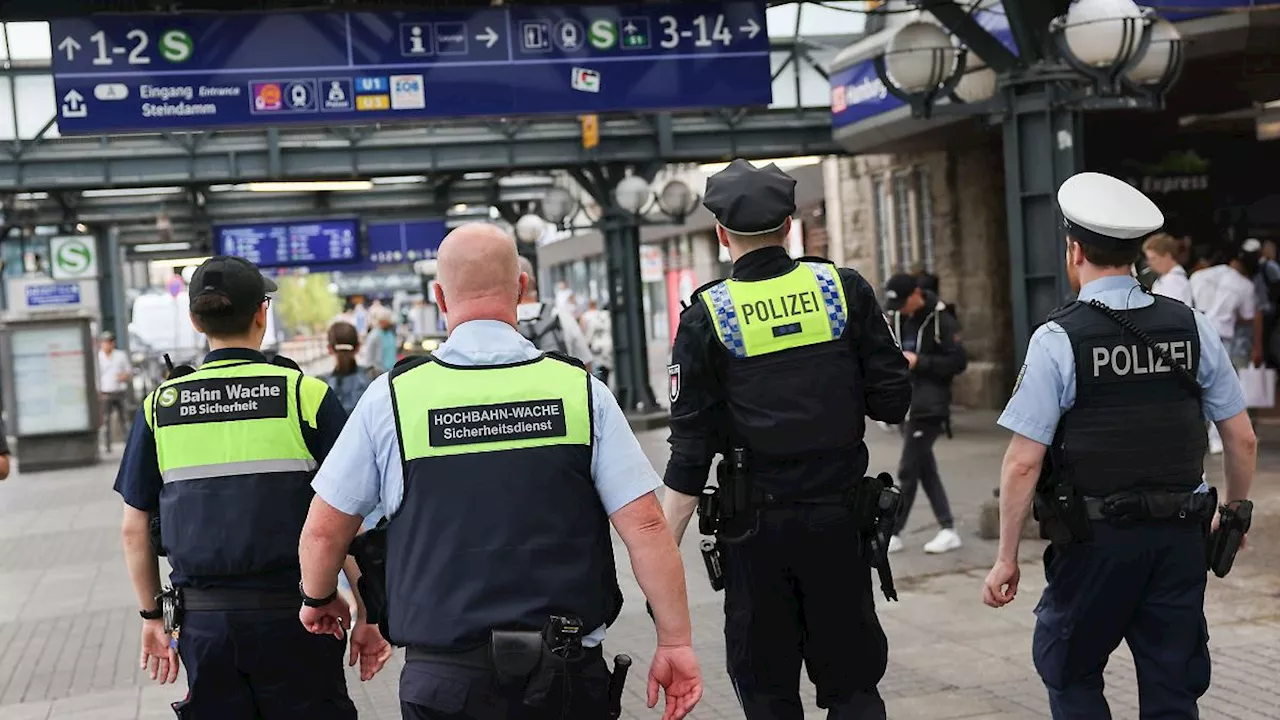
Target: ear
point(438, 291)
point(195, 323)
point(524, 284)
point(261, 314)
point(722, 236)
point(786, 226)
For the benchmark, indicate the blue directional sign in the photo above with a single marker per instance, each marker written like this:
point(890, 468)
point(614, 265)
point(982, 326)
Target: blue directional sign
point(53, 294)
point(291, 244)
point(147, 73)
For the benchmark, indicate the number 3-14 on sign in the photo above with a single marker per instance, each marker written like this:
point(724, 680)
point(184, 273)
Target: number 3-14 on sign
point(709, 31)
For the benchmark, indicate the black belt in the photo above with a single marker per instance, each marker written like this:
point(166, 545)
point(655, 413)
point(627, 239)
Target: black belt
point(1150, 506)
point(478, 657)
point(196, 599)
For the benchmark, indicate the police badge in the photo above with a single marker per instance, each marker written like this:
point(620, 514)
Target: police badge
point(673, 382)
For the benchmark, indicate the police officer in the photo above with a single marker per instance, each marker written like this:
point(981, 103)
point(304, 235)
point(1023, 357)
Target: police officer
point(225, 456)
point(1112, 398)
point(501, 469)
point(782, 361)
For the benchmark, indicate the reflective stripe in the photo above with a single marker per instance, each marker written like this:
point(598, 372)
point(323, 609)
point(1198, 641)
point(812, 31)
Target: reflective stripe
point(829, 286)
point(726, 316)
point(231, 469)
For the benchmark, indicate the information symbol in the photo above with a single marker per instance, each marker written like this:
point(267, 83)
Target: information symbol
point(417, 45)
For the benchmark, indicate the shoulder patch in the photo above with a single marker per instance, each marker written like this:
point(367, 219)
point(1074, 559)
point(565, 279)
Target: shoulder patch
point(673, 382)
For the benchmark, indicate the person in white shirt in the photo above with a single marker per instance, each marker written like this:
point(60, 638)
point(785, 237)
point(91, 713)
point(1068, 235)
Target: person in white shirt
point(114, 373)
point(1161, 250)
point(549, 327)
point(1225, 294)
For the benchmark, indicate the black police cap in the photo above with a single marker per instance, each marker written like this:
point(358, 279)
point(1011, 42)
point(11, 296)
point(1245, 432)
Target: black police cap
point(748, 200)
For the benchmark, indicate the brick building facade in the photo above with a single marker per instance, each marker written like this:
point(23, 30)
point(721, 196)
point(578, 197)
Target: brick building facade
point(942, 211)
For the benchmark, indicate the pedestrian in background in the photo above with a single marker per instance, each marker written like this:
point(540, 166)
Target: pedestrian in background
point(927, 335)
point(381, 346)
point(1171, 278)
point(114, 373)
point(348, 380)
point(597, 326)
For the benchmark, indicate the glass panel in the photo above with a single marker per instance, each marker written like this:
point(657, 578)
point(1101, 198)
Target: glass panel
point(29, 41)
point(883, 245)
point(7, 129)
point(924, 216)
point(902, 222)
point(33, 95)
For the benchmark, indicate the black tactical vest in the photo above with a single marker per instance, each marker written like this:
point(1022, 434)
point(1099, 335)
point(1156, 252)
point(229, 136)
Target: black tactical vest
point(501, 525)
point(1135, 425)
point(799, 403)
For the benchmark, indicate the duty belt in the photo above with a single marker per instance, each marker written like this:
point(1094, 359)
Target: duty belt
point(1152, 505)
point(196, 599)
point(478, 657)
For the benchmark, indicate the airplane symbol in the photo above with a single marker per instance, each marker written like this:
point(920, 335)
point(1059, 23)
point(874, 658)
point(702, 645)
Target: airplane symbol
point(630, 28)
point(69, 46)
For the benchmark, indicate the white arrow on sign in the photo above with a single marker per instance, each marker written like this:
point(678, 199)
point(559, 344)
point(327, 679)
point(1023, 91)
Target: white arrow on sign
point(69, 46)
point(489, 37)
point(752, 29)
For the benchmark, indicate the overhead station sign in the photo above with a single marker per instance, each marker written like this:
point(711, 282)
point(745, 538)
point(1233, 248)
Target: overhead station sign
point(291, 244)
point(148, 73)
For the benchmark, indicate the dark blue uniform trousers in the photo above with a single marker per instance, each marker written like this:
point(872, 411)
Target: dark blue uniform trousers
point(1141, 583)
point(260, 665)
point(442, 691)
point(800, 592)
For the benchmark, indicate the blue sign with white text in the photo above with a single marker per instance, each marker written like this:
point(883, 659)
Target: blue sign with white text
point(147, 73)
point(404, 242)
point(291, 244)
point(53, 294)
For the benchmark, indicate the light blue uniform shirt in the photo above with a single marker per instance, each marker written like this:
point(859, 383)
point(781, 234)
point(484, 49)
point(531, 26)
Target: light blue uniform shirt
point(1046, 385)
point(363, 475)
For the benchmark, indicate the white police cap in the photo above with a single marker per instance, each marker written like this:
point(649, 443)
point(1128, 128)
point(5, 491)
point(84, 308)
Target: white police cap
point(1105, 211)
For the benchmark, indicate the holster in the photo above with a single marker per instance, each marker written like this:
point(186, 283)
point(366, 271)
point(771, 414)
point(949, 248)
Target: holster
point(1234, 520)
point(1058, 506)
point(370, 551)
point(730, 506)
point(875, 504)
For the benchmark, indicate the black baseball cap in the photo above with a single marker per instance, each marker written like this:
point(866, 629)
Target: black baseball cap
point(898, 289)
point(234, 278)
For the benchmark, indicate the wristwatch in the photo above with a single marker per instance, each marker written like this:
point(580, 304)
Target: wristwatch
point(314, 602)
point(156, 614)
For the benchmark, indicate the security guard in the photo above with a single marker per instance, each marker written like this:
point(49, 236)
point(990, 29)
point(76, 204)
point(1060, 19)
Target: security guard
point(224, 455)
point(500, 469)
point(1110, 405)
point(781, 362)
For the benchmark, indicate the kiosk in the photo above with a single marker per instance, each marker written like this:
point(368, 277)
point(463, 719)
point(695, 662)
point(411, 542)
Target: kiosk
point(48, 360)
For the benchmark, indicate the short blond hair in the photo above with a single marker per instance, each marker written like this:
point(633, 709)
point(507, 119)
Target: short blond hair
point(1161, 244)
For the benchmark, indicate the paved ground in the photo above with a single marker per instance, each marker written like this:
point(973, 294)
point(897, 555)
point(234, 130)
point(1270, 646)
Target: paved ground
point(68, 623)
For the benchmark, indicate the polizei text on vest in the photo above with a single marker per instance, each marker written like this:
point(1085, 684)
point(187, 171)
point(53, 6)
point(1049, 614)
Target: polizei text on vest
point(239, 397)
point(1139, 359)
point(780, 308)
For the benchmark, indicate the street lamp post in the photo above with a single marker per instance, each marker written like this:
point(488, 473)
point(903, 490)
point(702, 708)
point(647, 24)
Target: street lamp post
point(624, 211)
point(1101, 54)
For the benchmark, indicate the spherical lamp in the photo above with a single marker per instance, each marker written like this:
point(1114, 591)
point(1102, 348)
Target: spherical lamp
point(558, 204)
point(632, 194)
point(1104, 33)
point(1162, 56)
point(529, 228)
point(978, 83)
point(920, 57)
point(676, 199)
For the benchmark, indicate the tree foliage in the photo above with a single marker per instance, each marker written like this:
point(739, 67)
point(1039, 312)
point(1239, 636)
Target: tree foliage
point(307, 302)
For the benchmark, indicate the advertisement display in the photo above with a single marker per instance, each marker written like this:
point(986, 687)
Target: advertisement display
point(49, 380)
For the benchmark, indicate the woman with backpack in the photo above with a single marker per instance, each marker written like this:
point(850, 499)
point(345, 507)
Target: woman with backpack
point(348, 380)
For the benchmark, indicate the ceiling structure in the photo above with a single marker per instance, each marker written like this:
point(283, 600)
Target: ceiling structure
point(418, 169)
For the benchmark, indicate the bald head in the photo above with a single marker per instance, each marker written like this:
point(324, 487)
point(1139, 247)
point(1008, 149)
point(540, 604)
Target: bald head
point(478, 274)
